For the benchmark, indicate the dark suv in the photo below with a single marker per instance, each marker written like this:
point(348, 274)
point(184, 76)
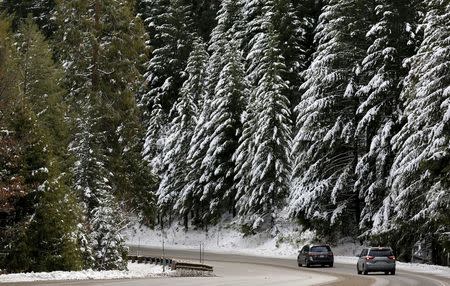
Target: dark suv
point(315, 255)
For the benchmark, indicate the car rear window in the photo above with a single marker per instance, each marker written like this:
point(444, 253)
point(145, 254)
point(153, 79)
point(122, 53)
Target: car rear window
point(320, 249)
point(380, 252)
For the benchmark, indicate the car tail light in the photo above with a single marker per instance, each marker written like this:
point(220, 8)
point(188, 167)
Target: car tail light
point(392, 257)
point(330, 254)
point(370, 257)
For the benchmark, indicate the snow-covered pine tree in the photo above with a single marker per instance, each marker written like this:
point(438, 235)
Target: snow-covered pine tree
point(325, 149)
point(229, 27)
point(253, 17)
point(419, 197)
point(103, 247)
point(252, 11)
point(293, 39)
point(308, 12)
point(270, 165)
point(225, 125)
point(108, 245)
point(381, 76)
point(255, 12)
point(153, 14)
point(89, 172)
point(171, 35)
point(176, 148)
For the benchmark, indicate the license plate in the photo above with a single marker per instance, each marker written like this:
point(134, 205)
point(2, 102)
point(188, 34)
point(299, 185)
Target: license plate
point(322, 256)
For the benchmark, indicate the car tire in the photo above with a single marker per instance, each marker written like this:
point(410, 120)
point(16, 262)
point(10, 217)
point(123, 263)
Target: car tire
point(331, 264)
point(386, 272)
point(299, 263)
point(307, 264)
point(357, 270)
point(393, 272)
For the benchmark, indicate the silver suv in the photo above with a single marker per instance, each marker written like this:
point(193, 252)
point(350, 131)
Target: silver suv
point(376, 259)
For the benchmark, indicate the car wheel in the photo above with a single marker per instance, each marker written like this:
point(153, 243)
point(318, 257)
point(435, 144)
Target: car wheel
point(357, 270)
point(393, 272)
point(365, 271)
point(299, 263)
point(331, 264)
point(307, 264)
point(386, 272)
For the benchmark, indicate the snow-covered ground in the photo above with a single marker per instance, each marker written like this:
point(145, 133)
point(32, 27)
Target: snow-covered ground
point(283, 244)
point(134, 271)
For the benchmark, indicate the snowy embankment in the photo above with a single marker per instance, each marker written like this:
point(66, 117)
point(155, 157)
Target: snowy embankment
point(228, 240)
point(134, 271)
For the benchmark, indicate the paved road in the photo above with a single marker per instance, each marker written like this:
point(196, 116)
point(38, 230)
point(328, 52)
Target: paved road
point(345, 273)
point(242, 270)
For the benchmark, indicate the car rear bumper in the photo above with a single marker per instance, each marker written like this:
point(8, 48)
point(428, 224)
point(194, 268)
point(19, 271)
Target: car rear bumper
point(374, 267)
point(320, 261)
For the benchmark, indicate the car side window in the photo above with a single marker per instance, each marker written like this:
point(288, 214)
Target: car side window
point(305, 249)
point(364, 252)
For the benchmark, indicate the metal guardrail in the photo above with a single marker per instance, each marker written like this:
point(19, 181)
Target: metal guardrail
point(173, 264)
point(192, 266)
point(150, 260)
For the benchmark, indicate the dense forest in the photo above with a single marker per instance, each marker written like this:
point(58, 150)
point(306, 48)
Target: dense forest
point(332, 114)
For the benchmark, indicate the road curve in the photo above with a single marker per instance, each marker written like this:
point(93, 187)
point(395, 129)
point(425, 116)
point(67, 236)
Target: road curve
point(243, 270)
point(345, 273)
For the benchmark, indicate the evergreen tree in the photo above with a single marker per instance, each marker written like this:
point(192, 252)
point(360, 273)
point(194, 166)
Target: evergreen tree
point(225, 125)
point(252, 14)
point(229, 27)
point(54, 242)
point(419, 195)
point(108, 245)
point(101, 48)
point(325, 146)
point(40, 83)
point(270, 163)
point(154, 16)
point(293, 39)
point(13, 187)
point(45, 238)
point(33, 163)
point(171, 41)
point(180, 133)
point(382, 74)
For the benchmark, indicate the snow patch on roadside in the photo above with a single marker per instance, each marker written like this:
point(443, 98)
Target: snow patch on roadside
point(134, 271)
point(219, 238)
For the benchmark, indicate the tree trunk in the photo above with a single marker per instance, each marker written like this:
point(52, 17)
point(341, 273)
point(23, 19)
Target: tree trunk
point(95, 48)
point(186, 221)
